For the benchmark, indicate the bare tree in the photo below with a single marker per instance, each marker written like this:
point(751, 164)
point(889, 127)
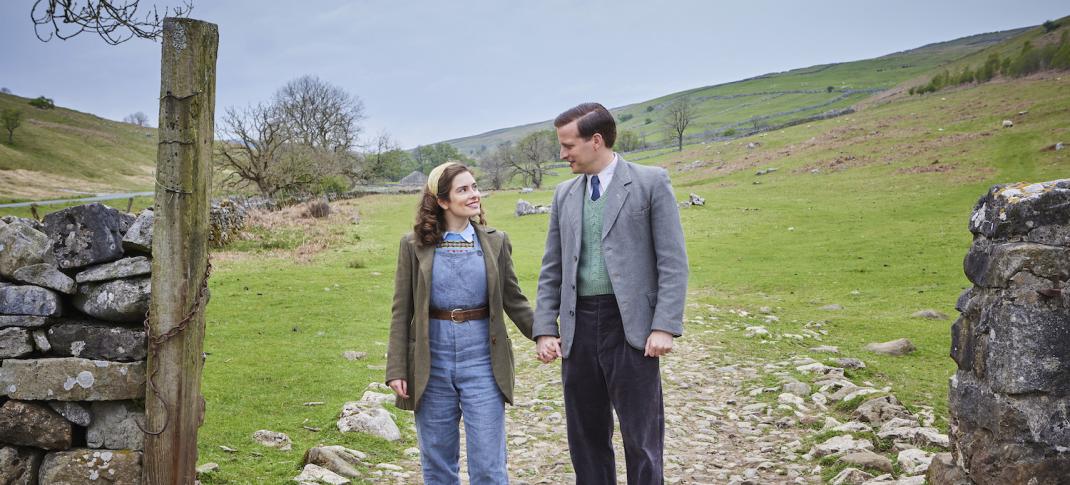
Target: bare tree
point(320, 115)
point(11, 119)
point(305, 136)
point(139, 119)
point(497, 165)
point(252, 151)
point(533, 155)
point(115, 21)
point(678, 116)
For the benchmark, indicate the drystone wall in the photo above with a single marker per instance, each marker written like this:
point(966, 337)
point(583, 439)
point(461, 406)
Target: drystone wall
point(1010, 397)
point(74, 292)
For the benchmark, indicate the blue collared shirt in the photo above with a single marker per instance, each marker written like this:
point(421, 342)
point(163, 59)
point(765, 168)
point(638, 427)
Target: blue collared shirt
point(468, 234)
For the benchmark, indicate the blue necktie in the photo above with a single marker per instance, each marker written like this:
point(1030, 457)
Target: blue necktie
point(595, 193)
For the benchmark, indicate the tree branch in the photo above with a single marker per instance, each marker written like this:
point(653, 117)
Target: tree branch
point(115, 21)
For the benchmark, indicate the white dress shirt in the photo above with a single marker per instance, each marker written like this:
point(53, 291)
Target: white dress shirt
point(604, 177)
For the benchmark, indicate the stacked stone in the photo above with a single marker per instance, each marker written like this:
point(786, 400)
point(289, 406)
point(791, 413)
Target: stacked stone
point(74, 292)
point(255, 202)
point(1010, 397)
point(226, 220)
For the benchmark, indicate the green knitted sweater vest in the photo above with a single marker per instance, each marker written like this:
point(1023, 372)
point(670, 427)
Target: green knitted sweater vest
point(592, 277)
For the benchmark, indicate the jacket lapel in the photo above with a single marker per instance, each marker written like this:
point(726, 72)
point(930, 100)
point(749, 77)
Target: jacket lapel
point(618, 192)
point(491, 247)
point(425, 255)
point(573, 209)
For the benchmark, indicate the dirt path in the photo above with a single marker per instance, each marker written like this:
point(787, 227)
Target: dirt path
point(713, 433)
point(97, 198)
point(717, 430)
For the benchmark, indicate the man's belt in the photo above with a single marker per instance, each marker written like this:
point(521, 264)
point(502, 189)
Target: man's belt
point(458, 315)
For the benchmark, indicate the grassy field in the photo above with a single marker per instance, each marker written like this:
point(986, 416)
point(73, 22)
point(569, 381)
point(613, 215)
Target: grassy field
point(59, 151)
point(882, 234)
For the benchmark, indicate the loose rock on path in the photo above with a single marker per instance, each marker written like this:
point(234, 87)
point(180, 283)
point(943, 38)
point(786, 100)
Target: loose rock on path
point(728, 419)
point(715, 432)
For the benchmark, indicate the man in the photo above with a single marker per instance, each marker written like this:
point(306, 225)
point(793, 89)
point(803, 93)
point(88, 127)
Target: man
point(615, 275)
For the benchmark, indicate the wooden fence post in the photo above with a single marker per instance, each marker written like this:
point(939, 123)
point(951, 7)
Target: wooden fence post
point(174, 405)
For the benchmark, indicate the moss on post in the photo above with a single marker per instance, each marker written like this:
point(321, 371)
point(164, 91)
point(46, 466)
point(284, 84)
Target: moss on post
point(173, 403)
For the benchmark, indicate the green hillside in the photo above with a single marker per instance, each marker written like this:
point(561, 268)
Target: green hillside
point(772, 99)
point(1037, 36)
point(61, 152)
point(867, 211)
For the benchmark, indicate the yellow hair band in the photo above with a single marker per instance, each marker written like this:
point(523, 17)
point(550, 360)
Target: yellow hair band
point(436, 173)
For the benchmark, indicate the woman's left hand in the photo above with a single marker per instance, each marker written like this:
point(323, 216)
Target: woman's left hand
point(400, 387)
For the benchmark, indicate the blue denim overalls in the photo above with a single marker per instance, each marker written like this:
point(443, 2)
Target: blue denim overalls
point(461, 381)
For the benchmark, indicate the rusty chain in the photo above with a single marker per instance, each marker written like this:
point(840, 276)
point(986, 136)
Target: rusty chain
point(157, 341)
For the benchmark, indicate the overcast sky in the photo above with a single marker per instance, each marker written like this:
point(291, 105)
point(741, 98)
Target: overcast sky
point(433, 70)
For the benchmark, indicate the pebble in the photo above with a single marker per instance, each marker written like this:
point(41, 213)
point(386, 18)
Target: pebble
point(723, 424)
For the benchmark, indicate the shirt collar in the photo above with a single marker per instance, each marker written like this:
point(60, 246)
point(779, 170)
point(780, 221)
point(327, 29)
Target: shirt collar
point(468, 233)
point(606, 175)
point(612, 167)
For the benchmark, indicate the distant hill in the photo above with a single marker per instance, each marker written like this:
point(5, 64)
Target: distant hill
point(1038, 36)
point(62, 152)
point(772, 99)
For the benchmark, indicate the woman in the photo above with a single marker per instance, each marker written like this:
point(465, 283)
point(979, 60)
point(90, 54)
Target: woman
point(449, 354)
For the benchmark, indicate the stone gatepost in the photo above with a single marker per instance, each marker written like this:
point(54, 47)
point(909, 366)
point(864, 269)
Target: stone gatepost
point(1010, 398)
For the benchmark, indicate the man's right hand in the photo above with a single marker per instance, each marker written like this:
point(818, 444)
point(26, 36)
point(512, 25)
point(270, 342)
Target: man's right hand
point(547, 348)
point(400, 387)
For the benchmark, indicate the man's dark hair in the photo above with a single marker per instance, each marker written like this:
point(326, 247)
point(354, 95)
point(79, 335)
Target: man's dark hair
point(593, 118)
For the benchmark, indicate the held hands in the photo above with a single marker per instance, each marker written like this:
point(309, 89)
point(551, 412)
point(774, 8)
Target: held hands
point(547, 348)
point(400, 387)
point(658, 343)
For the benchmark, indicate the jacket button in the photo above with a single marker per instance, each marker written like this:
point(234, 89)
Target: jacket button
point(573, 287)
point(575, 258)
point(493, 340)
point(571, 313)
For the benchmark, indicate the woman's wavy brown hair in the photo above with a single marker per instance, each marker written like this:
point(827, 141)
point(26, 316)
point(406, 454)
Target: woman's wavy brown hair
point(430, 217)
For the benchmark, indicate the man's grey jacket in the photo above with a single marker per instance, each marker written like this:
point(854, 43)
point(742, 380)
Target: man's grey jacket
point(643, 247)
